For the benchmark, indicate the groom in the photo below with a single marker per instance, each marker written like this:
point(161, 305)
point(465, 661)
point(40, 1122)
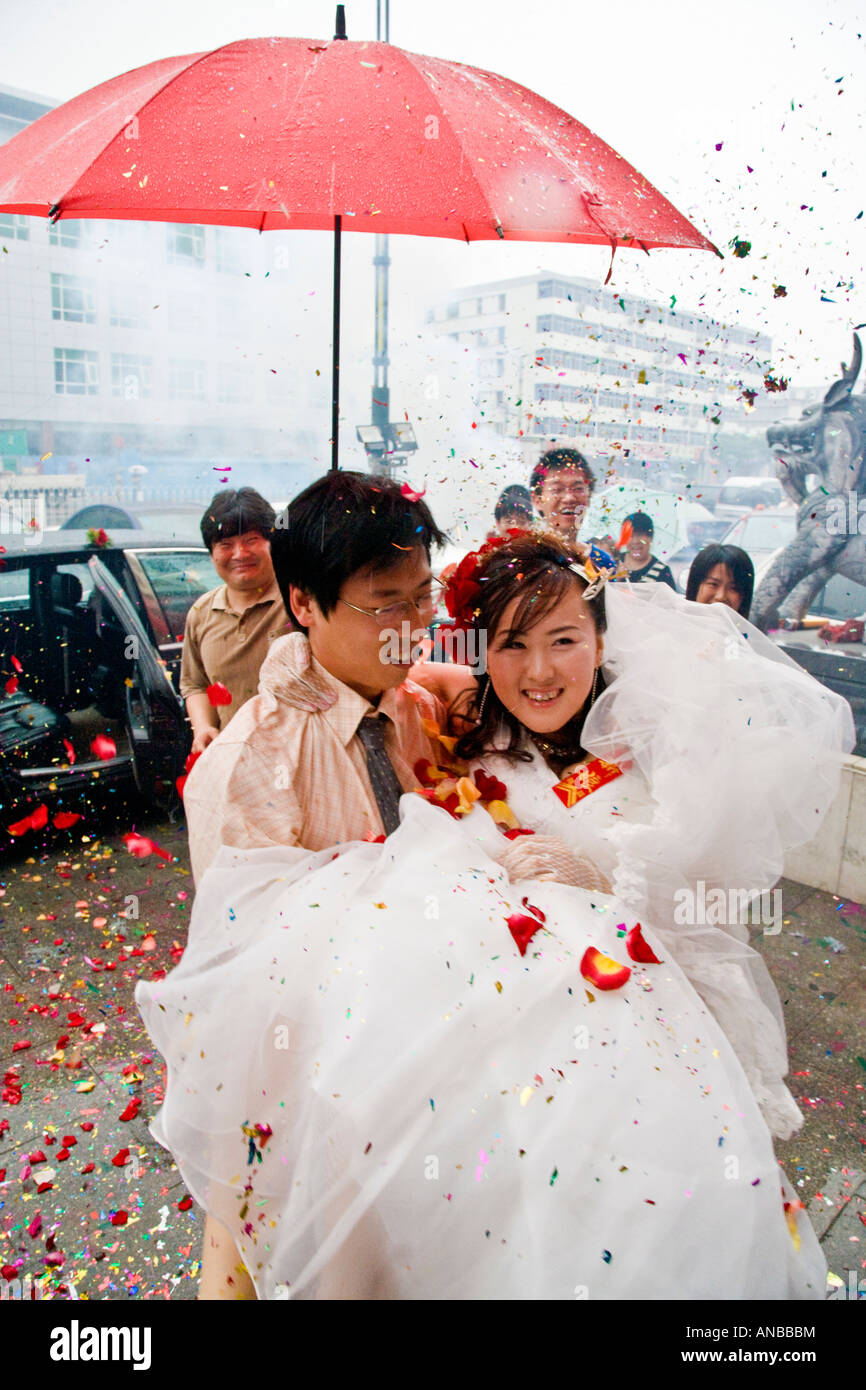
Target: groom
point(322, 754)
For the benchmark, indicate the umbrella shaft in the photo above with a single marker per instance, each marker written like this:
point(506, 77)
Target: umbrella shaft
point(335, 338)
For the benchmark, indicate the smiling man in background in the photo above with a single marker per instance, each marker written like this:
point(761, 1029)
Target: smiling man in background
point(228, 630)
point(561, 484)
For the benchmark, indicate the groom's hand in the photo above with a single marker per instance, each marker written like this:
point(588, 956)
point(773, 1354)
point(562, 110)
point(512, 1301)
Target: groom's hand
point(547, 857)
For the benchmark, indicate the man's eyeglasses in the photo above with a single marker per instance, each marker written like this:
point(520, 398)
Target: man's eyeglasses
point(392, 613)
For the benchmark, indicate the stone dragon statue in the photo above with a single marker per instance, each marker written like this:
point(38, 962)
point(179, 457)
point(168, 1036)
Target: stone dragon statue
point(828, 443)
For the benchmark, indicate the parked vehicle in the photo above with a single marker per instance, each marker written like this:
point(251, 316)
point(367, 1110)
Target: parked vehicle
point(179, 521)
point(739, 495)
point(93, 638)
point(760, 533)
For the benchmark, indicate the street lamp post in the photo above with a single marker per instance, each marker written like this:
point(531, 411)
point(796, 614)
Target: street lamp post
point(386, 442)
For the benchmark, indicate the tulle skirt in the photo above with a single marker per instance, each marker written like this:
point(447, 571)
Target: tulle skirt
point(380, 1097)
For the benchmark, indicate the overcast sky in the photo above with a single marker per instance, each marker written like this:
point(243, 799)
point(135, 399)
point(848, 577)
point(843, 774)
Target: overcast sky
point(779, 84)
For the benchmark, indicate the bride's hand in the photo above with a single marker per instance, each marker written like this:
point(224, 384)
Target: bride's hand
point(548, 857)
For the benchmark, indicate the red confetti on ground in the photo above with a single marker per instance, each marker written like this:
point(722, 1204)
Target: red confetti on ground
point(141, 846)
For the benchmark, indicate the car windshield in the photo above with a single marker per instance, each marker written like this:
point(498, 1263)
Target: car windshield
point(744, 496)
point(762, 532)
point(178, 578)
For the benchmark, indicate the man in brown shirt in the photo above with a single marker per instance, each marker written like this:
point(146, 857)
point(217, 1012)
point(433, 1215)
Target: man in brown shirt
point(228, 630)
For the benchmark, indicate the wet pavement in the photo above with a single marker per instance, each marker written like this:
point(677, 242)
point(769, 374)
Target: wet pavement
point(92, 1207)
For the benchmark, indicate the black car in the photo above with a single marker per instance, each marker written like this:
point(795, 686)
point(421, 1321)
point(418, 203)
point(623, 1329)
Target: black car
point(90, 646)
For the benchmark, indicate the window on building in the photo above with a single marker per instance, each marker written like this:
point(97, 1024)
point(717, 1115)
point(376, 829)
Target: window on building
point(187, 380)
point(492, 303)
point(469, 308)
point(131, 376)
point(185, 245)
point(452, 311)
point(14, 227)
point(229, 253)
point(128, 307)
point(72, 233)
point(234, 383)
point(76, 373)
point(73, 298)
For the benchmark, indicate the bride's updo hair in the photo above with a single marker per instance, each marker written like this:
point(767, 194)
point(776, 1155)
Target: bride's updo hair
point(535, 569)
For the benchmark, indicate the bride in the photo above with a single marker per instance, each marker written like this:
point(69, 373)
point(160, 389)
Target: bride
point(457, 1065)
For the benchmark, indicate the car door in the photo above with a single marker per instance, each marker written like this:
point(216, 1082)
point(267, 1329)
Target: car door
point(159, 738)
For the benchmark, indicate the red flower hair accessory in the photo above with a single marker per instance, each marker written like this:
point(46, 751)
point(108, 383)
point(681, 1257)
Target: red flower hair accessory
point(462, 589)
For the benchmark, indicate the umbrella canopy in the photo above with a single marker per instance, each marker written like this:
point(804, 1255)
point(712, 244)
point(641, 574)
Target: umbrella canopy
point(672, 516)
point(300, 133)
point(277, 133)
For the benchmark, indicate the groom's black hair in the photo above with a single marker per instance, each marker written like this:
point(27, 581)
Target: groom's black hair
point(343, 523)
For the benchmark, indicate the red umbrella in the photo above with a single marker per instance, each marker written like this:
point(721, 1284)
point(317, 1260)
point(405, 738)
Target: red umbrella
point(297, 133)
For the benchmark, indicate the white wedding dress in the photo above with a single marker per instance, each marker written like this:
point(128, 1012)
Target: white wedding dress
point(380, 1097)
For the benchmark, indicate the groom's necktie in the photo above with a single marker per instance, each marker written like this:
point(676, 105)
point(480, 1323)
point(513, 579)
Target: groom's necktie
point(383, 778)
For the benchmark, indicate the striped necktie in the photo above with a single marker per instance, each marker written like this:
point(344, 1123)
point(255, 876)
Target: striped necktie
point(383, 778)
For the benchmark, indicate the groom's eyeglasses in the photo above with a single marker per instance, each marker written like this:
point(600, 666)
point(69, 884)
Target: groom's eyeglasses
point(424, 604)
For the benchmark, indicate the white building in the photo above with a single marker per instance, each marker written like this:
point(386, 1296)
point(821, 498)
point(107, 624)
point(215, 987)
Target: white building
point(149, 345)
point(637, 386)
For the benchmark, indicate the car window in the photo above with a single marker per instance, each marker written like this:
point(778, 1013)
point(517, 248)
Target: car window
point(15, 591)
point(840, 599)
point(178, 578)
point(82, 573)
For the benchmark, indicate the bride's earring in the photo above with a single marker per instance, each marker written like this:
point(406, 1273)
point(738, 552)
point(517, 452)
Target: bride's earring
point(484, 700)
point(594, 688)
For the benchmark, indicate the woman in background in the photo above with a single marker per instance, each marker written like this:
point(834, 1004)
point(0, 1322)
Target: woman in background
point(722, 574)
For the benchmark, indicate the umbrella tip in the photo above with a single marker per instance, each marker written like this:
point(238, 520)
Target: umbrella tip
point(341, 23)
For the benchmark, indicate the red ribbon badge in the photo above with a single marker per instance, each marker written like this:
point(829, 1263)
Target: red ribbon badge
point(585, 780)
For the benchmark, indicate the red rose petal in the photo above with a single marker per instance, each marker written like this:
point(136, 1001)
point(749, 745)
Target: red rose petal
point(410, 495)
point(638, 948)
point(69, 1140)
point(131, 1110)
point(20, 827)
point(17, 665)
point(491, 788)
point(62, 1155)
point(218, 694)
point(103, 747)
point(120, 1218)
point(86, 1125)
point(37, 1157)
point(21, 1046)
point(70, 751)
point(11, 685)
point(64, 819)
point(39, 817)
point(603, 971)
point(44, 1187)
point(75, 1020)
point(121, 1158)
point(523, 928)
point(88, 1168)
point(10, 1271)
point(184, 1204)
point(513, 834)
point(35, 1226)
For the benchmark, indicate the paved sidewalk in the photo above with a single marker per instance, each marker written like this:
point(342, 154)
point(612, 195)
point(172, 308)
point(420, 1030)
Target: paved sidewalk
point(88, 1196)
